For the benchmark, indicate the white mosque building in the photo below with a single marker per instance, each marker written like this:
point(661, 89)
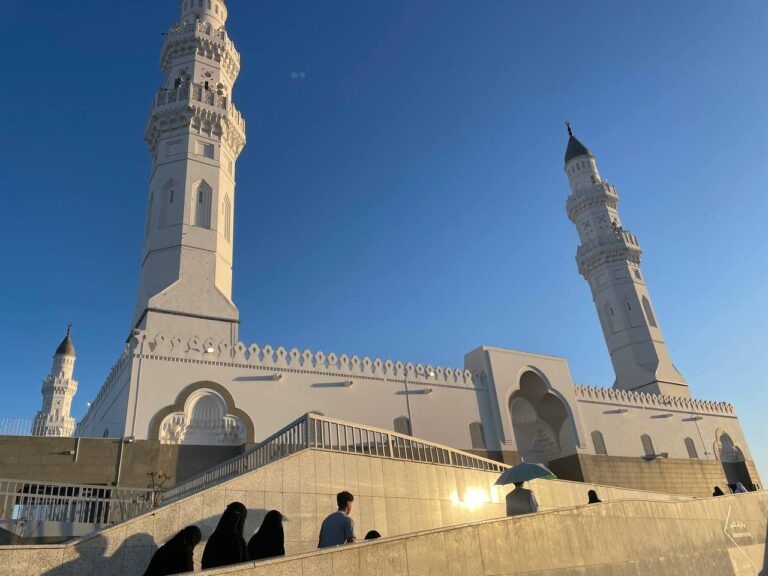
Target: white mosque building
point(185, 378)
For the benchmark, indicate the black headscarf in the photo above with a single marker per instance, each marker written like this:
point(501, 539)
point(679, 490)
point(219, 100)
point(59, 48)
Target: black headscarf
point(593, 499)
point(269, 541)
point(373, 535)
point(177, 555)
point(718, 492)
point(226, 545)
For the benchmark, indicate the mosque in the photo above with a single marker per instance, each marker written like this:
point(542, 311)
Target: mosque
point(184, 377)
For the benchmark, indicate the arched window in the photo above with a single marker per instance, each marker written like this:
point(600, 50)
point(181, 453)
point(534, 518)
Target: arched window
point(610, 317)
point(691, 447)
point(649, 312)
point(203, 206)
point(227, 219)
point(402, 425)
point(599, 443)
point(648, 449)
point(477, 435)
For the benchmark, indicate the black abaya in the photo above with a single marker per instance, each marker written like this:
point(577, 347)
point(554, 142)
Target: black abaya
point(226, 545)
point(269, 541)
point(177, 555)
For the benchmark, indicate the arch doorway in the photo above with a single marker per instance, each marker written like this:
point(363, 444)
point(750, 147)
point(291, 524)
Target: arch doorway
point(733, 461)
point(540, 420)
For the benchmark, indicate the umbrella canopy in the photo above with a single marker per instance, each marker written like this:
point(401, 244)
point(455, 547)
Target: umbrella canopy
point(525, 472)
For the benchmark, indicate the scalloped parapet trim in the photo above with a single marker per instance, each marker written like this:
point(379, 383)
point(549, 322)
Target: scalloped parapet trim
point(114, 375)
point(271, 358)
point(641, 399)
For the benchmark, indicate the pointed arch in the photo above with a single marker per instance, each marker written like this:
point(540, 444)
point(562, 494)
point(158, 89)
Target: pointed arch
point(477, 436)
point(203, 205)
point(167, 198)
point(648, 449)
point(690, 446)
point(598, 441)
point(227, 218)
point(649, 312)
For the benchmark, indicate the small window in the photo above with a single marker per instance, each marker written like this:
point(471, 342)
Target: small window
point(599, 443)
point(206, 150)
point(612, 314)
point(648, 449)
point(629, 306)
point(171, 197)
point(691, 447)
point(637, 275)
point(477, 435)
point(649, 312)
point(402, 425)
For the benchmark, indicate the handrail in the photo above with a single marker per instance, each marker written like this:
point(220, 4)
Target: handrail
point(32, 501)
point(323, 433)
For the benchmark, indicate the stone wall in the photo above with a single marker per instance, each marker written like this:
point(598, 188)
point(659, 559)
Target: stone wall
point(673, 476)
point(96, 461)
point(610, 539)
point(391, 496)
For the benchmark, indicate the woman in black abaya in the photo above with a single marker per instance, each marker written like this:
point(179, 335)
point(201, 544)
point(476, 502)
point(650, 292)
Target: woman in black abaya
point(226, 545)
point(177, 555)
point(269, 541)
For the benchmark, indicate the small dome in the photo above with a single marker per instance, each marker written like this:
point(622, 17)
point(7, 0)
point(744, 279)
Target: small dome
point(575, 149)
point(66, 348)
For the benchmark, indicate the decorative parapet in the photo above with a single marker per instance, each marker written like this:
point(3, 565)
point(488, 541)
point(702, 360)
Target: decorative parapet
point(109, 383)
point(599, 194)
point(294, 360)
point(651, 401)
point(621, 245)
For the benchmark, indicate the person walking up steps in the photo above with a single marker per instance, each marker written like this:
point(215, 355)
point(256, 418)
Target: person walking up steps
point(338, 528)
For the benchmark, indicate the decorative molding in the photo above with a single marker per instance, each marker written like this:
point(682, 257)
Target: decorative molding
point(201, 38)
point(651, 401)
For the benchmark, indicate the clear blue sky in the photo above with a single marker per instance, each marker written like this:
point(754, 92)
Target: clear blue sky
point(405, 199)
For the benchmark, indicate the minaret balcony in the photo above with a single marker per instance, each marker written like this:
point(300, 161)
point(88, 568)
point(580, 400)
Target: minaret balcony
point(599, 194)
point(622, 246)
point(197, 94)
point(191, 37)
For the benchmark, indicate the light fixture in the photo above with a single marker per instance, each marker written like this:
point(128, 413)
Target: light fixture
point(422, 391)
point(210, 350)
point(277, 377)
point(89, 404)
point(431, 374)
point(347, 384)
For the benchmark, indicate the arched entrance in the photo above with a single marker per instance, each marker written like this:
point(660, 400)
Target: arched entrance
point(540, 420)
point(733, 461)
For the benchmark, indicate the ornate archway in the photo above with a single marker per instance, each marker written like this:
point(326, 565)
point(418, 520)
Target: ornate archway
point(540, 420)
point(205, 415)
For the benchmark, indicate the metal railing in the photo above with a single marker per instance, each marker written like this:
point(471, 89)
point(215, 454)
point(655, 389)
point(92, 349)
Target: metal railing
point(44, 502)
point(17, 427)
point(322, 433)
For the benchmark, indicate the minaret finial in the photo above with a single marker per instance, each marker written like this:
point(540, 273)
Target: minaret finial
point(69, 328)
point(570, 129)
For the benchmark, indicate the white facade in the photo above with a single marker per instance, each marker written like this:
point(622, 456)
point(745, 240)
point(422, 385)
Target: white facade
point(59, 387)
point(185, 378)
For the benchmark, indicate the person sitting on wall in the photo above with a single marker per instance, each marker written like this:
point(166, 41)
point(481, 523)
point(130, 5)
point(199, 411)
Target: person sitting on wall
point(521, 501)
point(177, 555)
point(338, 528)
point(269, 541)
point(593, 499)
point(226, 545)
point(373, 535)
point(718, 492)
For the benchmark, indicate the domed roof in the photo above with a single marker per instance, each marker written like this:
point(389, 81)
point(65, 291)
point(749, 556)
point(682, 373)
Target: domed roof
point(66, 348)
point(575, 149)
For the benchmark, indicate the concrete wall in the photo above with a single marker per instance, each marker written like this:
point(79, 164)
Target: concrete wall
point(615, 539)
point(96, 460)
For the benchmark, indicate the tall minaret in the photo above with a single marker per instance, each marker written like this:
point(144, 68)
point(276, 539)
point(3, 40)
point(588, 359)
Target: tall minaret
point(58, 390)
point(609, 259)
point(195, 135)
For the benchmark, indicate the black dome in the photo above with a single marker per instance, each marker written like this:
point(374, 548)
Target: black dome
point(575, 149)
point(66, 348)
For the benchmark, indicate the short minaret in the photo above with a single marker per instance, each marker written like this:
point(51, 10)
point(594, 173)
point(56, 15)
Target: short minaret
point(58, 390)
point(195, 135)
point(609, 259)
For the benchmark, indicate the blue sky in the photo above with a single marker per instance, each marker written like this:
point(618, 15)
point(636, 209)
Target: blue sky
point(402, 194)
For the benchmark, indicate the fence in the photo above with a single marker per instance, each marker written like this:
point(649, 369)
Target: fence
point(44, 502)
point(322, 433)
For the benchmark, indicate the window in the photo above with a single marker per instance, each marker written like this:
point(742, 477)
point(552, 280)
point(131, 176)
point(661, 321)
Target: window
point(648, 449)
point(599, 443)
point(637, 275)
point(149, 215)
point(691, 447)
point(649, 312)
point(402, 425)
point(227, 219)
point(203, 207)
point(477, 435)
point(206, 150)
